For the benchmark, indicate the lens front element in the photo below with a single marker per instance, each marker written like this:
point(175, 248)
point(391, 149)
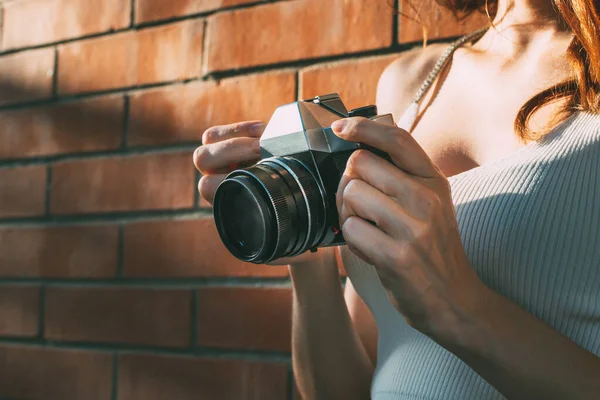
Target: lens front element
point(242, 210)
point(271, 210)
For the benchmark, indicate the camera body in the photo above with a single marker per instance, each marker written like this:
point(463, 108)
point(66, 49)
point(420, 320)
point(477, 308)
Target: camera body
point(285, 204)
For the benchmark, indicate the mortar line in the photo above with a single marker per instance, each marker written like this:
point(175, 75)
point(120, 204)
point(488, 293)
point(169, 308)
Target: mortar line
point(48, 191)
point(115, 376)
point(298, 83)
point(127, 348)
point(55, 75)
point(162, 283)
point(197, 199)
point(125, 127)
point(205, 42)
point(91, 155)
point(42, 312)
point(132, 14)
point(106, 218)
point(120, 250)
point(395, 23)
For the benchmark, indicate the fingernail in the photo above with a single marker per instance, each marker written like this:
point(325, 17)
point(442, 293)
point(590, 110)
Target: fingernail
point(339, 125)
point(257, 129)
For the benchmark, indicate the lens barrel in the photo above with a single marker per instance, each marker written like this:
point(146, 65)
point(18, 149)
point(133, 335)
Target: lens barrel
point(271, 210)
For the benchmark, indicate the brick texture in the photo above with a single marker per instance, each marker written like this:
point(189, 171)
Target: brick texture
point(356, 81)
point(304, 29)
point(104, 241)
point(79, 126)
point(184, 248)
point(251, 318)
point(439, 22)
point(34, 22)
point(185, 111)
point(132, 58)
point(41, 373)
point(146, 377)
point(153, 181)
point(22, 191)
point(58, 252)
point(118, 315)
point(26, 76)
point(19, 310)
point(152, 10)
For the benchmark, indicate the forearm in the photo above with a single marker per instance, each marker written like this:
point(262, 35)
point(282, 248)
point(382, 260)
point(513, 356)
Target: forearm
point(520, 355)
point(329, 360)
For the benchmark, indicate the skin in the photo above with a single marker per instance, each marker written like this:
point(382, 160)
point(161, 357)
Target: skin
point(468, 122)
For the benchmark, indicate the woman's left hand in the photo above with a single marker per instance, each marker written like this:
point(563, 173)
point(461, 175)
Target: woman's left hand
point(413, 239)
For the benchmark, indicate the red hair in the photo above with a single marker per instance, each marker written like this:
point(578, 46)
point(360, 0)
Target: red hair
point(582, 92)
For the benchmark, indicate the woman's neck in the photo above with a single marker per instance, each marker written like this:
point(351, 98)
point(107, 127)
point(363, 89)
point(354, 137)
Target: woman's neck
point(537, 13)
point(522, 25)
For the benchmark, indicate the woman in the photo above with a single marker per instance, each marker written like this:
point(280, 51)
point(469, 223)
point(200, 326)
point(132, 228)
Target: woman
point(481, 277)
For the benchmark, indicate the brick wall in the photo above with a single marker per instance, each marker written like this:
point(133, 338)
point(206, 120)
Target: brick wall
point(113, 283)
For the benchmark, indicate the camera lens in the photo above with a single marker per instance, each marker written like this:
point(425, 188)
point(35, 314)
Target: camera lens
point(271, 210)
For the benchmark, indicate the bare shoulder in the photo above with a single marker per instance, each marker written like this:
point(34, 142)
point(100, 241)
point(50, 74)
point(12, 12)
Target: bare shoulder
point(402, 78)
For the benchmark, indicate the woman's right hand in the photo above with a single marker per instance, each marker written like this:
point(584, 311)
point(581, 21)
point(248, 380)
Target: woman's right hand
point(228, 147)
point(223, 149)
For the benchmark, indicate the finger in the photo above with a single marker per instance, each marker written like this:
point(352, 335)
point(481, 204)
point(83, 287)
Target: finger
point(362, 200)
point(223, 132)
point(380, 174)
point(372, 244)
point(402, 148)
point(207, 186)
point(226, 154)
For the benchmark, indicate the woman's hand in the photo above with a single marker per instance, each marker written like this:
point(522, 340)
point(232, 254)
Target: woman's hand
point(223, 149)
point(400, 218)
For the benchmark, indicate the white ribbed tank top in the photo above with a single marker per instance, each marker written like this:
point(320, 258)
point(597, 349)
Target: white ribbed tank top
point(530, 225)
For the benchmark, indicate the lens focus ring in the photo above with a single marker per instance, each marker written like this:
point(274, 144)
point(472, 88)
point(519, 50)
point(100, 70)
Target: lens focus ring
point(282, 216)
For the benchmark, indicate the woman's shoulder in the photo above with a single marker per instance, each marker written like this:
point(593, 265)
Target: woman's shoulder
point(403, 77)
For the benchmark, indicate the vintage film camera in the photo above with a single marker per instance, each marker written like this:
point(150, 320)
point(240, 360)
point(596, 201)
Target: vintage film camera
point(285, 204)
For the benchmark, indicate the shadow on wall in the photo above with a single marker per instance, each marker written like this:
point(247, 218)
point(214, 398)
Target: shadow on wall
point(52, 132)
point(86, 124)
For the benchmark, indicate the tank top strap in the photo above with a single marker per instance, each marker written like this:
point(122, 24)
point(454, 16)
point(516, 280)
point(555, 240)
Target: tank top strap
point(407, 120)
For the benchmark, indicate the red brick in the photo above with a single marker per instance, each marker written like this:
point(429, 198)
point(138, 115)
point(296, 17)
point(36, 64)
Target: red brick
point(185, 111)
point(26, 76)
point(287, 31)
point(152, 10)
point(59, 252)
point(148, 377)
point(184, 248)
point(34, 22)
point(42, 373)
point(245, 318)
point(440, 22)
point(89, 125)
point(355, 80)
point(132, 58)
point(19, 308)
point(151, 181)
point(118, 315)
point(22, 191)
